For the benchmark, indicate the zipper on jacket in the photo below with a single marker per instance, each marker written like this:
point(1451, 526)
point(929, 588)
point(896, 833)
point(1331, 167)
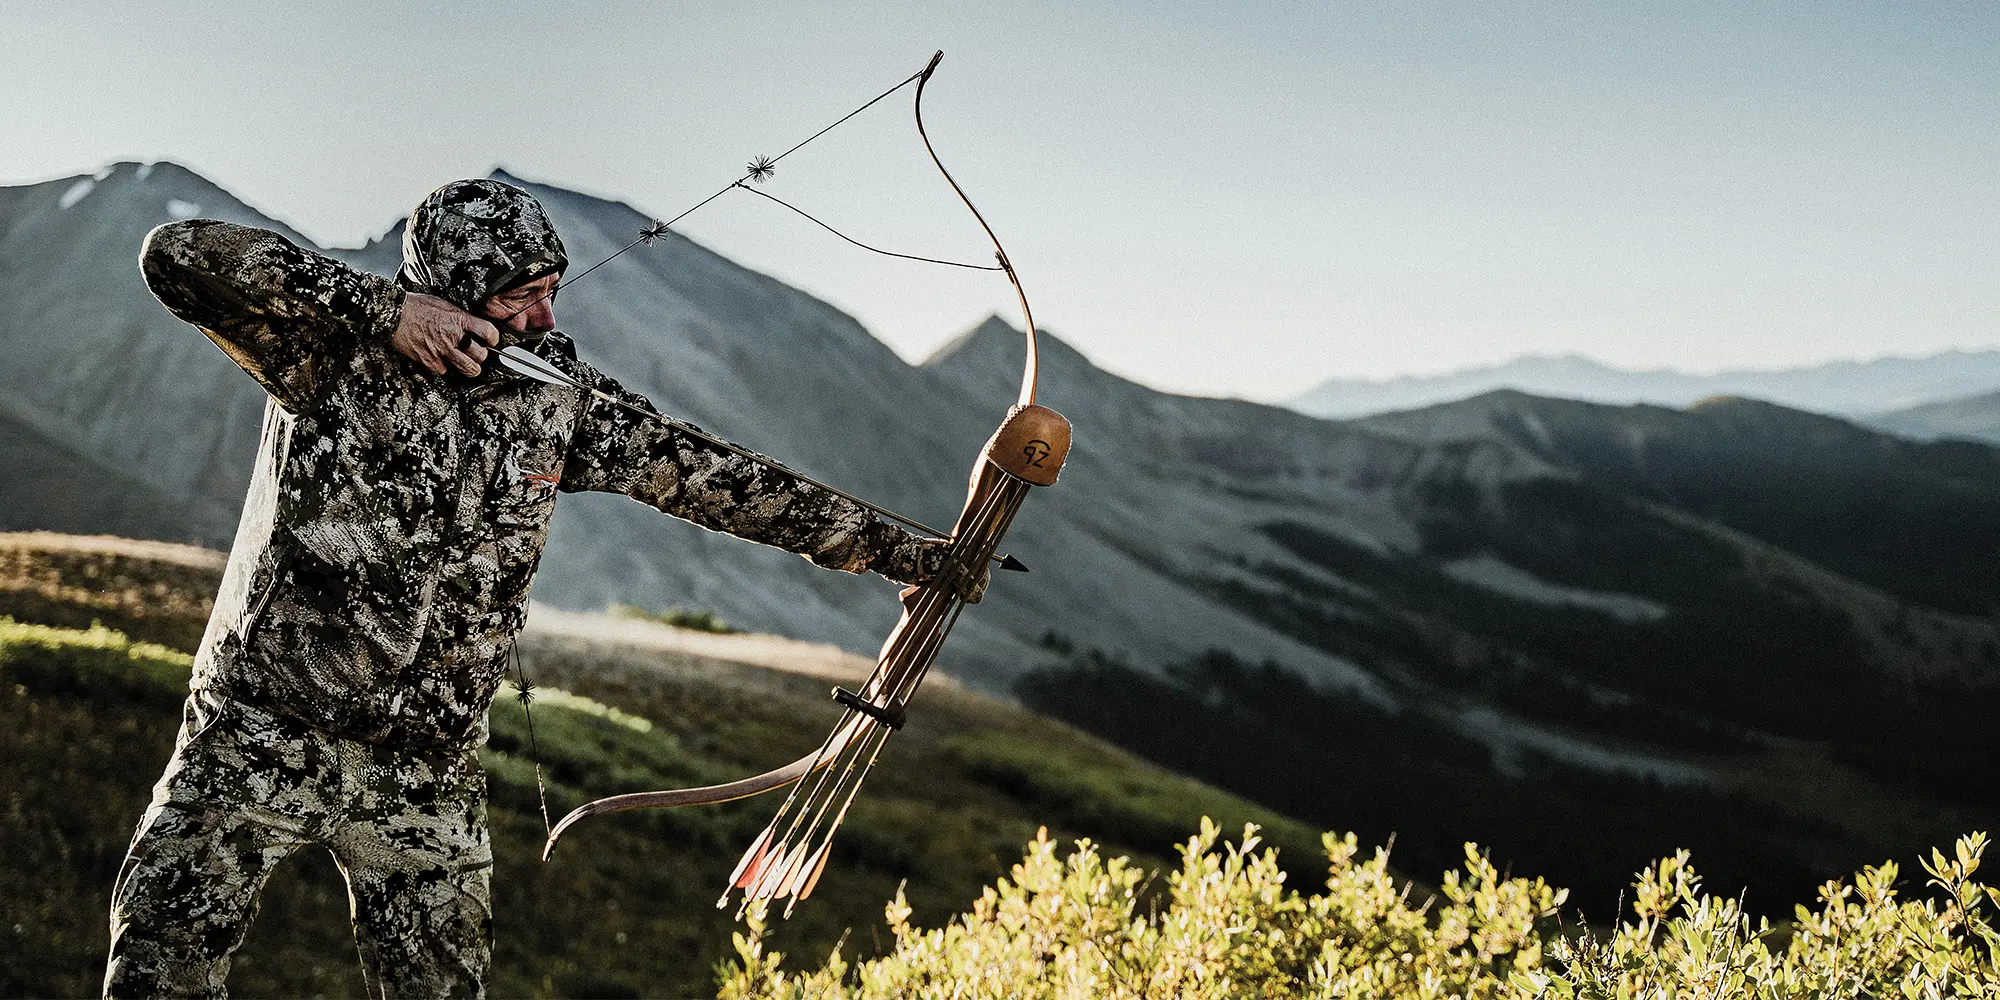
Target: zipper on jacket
point(255, 616)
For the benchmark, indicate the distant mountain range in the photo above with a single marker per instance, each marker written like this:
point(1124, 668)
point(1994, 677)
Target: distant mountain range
point(1843, 388)
point(1551, 592)
point(1973, 418)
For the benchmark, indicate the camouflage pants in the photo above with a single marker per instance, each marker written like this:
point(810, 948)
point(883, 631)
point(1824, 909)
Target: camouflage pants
point(246, 789)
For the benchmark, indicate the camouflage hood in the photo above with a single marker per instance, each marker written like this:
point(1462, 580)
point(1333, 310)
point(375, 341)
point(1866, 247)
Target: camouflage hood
point(471, 239)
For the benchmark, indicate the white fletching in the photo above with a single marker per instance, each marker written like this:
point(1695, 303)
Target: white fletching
point(518, 360)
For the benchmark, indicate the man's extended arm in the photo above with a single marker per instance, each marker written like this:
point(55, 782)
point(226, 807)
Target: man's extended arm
point(618, 452)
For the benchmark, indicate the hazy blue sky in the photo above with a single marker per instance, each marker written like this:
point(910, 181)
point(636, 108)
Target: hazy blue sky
point(1227, 199)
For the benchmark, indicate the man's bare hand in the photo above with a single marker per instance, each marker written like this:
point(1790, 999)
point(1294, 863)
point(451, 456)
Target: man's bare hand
point(436, 334)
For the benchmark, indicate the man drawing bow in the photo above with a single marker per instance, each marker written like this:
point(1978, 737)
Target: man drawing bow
point(380, 573)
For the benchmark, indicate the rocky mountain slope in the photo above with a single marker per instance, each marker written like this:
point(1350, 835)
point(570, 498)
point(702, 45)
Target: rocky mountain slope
point(1914, 519)
point(112, 378)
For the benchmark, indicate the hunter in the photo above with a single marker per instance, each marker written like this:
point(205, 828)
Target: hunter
point(380, 573)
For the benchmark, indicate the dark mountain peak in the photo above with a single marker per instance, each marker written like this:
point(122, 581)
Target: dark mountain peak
point(1502, 413)
point(1528, 416)
point(1744, 414)
point(127, 180)
point(994, 340)
point(982, 336)
point(131, 196)
point(986, 362)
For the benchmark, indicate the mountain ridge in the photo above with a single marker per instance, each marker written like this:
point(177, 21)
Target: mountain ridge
point(1844, 387)
point(1817, 485)
point(1965, 418)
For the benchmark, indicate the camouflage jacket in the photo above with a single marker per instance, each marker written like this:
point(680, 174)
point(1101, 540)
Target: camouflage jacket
point(393, 524)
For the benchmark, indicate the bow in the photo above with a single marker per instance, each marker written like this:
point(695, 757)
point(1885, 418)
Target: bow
point(1027, 450)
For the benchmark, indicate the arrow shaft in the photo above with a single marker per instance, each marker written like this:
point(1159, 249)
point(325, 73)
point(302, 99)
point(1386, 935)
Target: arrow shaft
point(691, 430)
point(538, 368)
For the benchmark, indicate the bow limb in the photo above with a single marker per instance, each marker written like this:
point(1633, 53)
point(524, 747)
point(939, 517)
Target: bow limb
point(787, 858)
point(673, 797)
point(1032, 368)
point(730, 791)
point(1027, 450)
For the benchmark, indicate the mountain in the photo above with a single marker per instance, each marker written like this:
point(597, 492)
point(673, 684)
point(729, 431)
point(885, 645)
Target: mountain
point(1416, 618)
point(110, 378)
point(1913, 519)
point(1837, 387)
point(92, 369)
point(1972, 418)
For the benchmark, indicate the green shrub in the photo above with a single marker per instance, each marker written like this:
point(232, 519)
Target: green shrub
point(1074, 928)
point(1861, 942)
point(687, 618)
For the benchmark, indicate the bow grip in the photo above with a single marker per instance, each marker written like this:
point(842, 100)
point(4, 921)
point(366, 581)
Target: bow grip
point(1031, 444)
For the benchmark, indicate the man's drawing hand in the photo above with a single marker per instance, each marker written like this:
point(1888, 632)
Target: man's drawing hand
point(436, 334)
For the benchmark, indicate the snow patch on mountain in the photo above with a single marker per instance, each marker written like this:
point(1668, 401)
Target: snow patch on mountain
point(76, 193)
point(1489, 572)
point(1513, 740)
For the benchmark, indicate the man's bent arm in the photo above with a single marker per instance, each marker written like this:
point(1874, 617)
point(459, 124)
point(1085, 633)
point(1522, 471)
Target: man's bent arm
point(281, 312)
point(616, 451)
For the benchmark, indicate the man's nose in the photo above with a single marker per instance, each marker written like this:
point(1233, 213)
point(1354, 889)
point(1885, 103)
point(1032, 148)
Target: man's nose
point(541, 317)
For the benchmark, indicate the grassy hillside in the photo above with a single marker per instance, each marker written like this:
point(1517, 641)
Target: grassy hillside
point(1772, 818)
point(87, 718)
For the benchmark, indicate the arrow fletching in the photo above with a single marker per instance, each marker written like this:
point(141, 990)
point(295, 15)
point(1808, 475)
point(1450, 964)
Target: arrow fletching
point(520, 362)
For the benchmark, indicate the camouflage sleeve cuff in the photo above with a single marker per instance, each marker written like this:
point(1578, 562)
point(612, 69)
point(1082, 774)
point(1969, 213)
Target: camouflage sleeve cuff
point(381, 308)
point(902, 556)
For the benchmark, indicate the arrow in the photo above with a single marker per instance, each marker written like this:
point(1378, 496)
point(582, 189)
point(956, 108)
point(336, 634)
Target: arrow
point(520, 361)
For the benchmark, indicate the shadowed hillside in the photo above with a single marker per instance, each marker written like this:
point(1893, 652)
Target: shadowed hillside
point(1915, 519)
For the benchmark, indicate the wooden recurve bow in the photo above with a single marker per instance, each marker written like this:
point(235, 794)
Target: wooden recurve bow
point(1027, 450)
